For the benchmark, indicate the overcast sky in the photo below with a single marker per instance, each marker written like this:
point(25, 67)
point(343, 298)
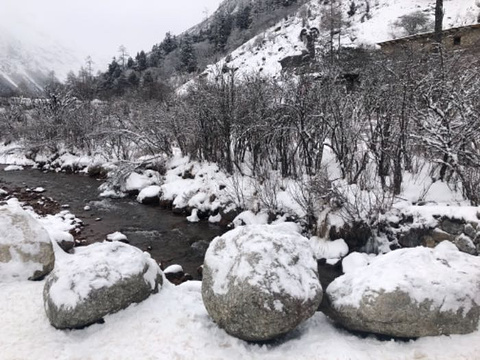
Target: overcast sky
point(99, 27)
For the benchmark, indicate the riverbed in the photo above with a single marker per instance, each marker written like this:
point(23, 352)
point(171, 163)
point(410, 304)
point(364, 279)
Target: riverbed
point(169, 238)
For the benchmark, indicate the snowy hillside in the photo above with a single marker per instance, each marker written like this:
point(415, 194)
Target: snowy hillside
point(372, 21)
point(27, 58)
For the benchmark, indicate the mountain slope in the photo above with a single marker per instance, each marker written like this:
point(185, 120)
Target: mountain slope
point(370, 22)
point(27, 59)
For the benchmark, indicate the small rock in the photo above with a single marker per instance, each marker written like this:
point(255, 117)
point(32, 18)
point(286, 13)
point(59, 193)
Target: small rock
point(200, 271)
point(87, 208)
point(176, 275)
point(439, 235)
point(117, 236)
point(200, 247)
point(469, 231)
point(452, 226)
point(465, 244)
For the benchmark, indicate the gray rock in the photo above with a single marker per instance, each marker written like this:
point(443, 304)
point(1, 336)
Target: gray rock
point(476, 239)
point(410, 293)
point(97, 280)
point(439, 235)
point(200, 247)
point(260, 281)
point(413, 237)
point(397, 314)
point(25, 242)
point(452, 226)
point(470, 231)
point(465, 244)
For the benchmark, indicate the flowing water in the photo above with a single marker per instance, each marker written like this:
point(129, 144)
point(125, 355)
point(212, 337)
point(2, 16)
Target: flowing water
point(169, 238)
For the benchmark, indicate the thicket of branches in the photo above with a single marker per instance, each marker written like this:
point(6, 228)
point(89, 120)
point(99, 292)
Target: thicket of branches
point(402, 109)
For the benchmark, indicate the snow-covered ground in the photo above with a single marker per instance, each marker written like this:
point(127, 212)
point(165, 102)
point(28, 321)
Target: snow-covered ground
point(174, 324)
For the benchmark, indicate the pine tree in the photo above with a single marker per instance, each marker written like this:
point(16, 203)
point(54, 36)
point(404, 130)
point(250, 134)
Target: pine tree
point(169, 44)
point(141, 60)
point(188, 59)
point(220, 30)
point(244, 18)
point(130, 63)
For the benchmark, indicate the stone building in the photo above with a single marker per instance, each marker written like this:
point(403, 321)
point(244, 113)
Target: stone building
point(458, 38)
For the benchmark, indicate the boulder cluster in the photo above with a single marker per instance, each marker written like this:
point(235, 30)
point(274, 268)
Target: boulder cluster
point(80, 288)
point(259, 281)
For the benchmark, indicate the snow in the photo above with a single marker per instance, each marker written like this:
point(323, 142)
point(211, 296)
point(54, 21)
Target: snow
point(13, 168)
point(13, 154)
point(149, 192)
point(327, 249)
point(355, 261)
point(20, 238)
point(174, 324)
point(71, 161)
point(96, 266)
point(250, 218)
point(215, 218)
point(248, 252)
point(116, 236)
point(173, 269)
point(111, 193)
point(193, 217)
point(12, 234)
point(137, 182)
point(443, 275)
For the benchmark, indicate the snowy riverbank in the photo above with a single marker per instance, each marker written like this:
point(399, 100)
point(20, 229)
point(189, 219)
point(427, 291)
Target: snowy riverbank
point(174, 324)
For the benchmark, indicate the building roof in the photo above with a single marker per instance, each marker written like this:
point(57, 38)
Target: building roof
point(450, 31)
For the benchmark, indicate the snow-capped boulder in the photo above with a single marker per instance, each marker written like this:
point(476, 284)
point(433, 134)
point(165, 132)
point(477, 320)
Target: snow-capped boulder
point(97, 280)
point(135, 182)
point(410, 293)
point(260, 281)
point(149, 195)
point(25, 246)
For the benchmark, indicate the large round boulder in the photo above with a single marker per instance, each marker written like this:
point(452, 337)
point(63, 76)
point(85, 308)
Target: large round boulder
point(97, 280)
point(260, 281)
point(26, 250)
point(410, 293)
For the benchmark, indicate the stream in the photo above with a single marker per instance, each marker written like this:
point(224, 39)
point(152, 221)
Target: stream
point(169, 238)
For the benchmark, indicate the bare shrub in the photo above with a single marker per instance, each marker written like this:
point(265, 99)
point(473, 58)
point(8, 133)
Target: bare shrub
point(414, 23)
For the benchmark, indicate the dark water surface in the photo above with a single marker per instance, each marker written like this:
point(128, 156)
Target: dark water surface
point(170, 238)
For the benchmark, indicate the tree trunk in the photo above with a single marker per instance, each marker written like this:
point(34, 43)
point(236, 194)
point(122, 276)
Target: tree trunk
point(438, 22)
